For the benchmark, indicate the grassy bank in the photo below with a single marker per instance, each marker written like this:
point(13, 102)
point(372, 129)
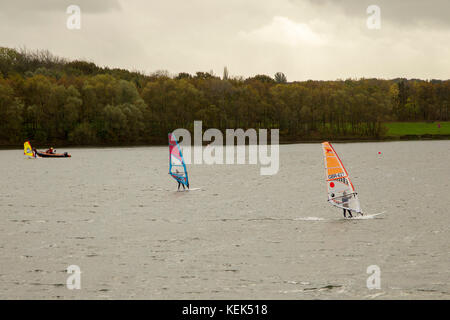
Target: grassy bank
point(418, 129)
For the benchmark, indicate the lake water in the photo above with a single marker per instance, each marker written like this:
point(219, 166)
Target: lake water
point(116, 214)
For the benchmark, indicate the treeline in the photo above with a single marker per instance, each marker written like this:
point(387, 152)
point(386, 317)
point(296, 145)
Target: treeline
point(50, 100)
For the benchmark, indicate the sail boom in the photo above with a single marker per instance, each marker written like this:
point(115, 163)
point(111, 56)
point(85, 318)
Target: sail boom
point(349, 194)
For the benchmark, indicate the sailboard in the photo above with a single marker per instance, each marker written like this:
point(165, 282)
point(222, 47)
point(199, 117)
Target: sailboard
point(177, 166)
point(341, 192)
point(27, 150)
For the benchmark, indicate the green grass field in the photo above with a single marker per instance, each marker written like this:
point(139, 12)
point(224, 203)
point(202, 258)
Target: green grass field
point(396, 129)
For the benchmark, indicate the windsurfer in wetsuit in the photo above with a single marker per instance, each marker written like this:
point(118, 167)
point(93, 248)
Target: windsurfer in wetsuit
point(179, 183)
point(345, 199)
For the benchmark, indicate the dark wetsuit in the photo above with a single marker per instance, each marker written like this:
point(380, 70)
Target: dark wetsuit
point(349, 212)
point(345, 199)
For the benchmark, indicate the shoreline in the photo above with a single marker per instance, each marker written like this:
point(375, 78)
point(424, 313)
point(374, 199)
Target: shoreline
point(425, 137)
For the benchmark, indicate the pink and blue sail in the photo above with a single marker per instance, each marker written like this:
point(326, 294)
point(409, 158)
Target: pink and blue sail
point(177, 166)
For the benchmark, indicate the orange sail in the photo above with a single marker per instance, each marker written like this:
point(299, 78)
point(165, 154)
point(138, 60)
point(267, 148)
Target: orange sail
point(341, 192)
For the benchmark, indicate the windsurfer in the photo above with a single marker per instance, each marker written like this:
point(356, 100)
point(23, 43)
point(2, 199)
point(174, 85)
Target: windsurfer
point(345, 199)
point(176, 160)
point(179, 183)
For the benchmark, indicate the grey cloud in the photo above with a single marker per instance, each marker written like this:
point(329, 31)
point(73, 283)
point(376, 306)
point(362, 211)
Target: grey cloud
point(200, 35)
point(401, 12)
point(42, 6)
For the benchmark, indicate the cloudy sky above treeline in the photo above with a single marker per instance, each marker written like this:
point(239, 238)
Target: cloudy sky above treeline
point(305, 39)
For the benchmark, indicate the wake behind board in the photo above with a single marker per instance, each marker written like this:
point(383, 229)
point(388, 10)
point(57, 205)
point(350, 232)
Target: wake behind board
point(359, 217)
point(366, 216)
point(191, 189)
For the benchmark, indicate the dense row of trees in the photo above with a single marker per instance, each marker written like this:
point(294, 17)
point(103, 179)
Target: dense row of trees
point(50, 100)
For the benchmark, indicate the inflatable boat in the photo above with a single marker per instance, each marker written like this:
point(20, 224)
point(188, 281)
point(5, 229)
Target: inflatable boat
point(52, 155)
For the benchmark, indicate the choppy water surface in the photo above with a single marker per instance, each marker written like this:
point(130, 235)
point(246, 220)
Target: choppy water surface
point(115, 213)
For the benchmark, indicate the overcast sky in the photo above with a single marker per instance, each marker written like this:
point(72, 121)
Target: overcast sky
point(305, 39)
